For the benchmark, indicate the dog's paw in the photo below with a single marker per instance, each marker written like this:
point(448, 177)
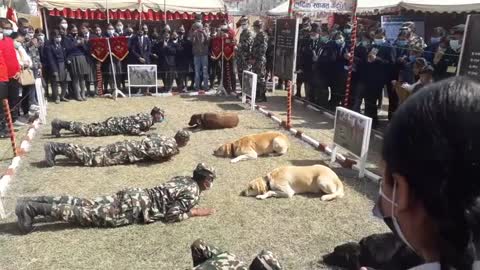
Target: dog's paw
point(260, 197)
point(233, 161)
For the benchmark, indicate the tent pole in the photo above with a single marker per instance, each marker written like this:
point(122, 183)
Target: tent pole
point(348, 87)
point(140, 9)
point(165, 11)
point(45, 23)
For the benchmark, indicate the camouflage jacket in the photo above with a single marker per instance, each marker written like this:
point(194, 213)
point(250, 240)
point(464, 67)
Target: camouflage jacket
point(154, 147)
point(244, 48)
point(260, 46)
point(173, 200)
point(131, 125)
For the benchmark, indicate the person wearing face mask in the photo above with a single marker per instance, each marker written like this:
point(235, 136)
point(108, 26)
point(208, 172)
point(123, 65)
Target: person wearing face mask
point(119, 29)
point(27, 87)
point(57, 62)
point(259, 60)
point(200, 43)
point(244, 48)
point(107, 70)
point(45, 70)
point(3, 89)
point(169, 54)
point(13, 70)
point(32, 49)
point(380, 61)
point(184, 58)
point(339, 73)
point(429, 196)
point(91, 78)
point(437, 40)
point(347, 33)
point(323, 60)
point(309, 54)
point(141, 49)
point(76, 50)
point(63, 26)
point(364, 43)
point(446, 60)
point(303, 41)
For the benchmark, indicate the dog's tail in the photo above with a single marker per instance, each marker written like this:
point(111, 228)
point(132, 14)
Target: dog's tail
point(339, 193)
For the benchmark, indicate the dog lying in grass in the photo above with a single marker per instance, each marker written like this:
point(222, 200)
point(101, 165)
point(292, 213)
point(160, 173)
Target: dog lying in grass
point(214, 120)
point(377, 251)
point(252, 146)
point(286, 181)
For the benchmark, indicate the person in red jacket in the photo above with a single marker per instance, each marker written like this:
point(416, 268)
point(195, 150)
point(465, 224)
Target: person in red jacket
point(12, 69)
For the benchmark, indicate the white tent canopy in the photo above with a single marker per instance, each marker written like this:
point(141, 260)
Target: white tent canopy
point(376, 6)
point(205, 6)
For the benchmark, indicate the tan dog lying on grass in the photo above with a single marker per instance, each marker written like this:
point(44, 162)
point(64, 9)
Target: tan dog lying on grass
point(286, 181)
point(214, 120)
point(252, 146)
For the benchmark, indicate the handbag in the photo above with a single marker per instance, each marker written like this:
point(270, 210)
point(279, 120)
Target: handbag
point(26, 77)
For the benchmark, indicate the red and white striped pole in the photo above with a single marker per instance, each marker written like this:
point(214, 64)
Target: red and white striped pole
point(99, 78)
point(348, 86)
point(290, 83)
point(8, 117)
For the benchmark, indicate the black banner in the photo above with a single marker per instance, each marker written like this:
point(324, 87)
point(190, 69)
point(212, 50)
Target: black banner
point(470, 57)
point(286, 40)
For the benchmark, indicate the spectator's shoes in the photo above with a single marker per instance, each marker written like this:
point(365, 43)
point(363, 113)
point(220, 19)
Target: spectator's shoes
point(19, 123)
point(4, 134)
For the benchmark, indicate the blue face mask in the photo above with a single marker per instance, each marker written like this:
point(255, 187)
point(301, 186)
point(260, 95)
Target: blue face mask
point(402, 42)
point(412, 58)
point(435, 40)
point(324, 39)
point(340, 42)
point(379, 41)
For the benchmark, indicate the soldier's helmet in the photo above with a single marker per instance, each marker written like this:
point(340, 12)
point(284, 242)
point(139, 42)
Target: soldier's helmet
point(203, 170)
point(265, 260)
point(182, 137)
point(155, 111)
point(258, 23)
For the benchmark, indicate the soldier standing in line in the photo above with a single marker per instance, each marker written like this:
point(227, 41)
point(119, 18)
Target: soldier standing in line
point(259, 59)
point(244, 48)
point(208, 257)
point(169, 202)
point(127, 125)
point(153, 147)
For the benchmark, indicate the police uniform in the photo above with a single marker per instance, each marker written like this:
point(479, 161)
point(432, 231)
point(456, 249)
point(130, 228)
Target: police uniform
point(128, 125)
point(151, 148)
point(168, 202)
point(209, 257)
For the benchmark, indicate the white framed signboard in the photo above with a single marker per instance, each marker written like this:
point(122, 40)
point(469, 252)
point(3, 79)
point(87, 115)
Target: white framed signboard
point(352, 132)
point(142, 76)
point(249, 87)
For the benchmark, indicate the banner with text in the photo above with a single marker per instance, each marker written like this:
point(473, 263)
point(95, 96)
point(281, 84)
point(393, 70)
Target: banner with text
point(333, 6)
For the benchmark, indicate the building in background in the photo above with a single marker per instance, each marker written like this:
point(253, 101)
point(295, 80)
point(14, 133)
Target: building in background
point(251, 7)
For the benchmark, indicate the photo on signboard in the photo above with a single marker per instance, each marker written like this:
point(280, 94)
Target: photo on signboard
point(247, 83)
point(142, 75)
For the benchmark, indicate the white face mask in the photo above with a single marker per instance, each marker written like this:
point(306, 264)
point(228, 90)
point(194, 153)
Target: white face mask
point(377, 212)
point(7, 32)
point(244, 26)
point(41, 38)
point(455, 45)
point(1, 36)
point(379, 41)
point(64, 25)
point(110, 32)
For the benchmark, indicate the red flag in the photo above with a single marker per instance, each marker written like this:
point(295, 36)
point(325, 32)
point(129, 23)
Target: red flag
point(99, 48)
point(119, 46)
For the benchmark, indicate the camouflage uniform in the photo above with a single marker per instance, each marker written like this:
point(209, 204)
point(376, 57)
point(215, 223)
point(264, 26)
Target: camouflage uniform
point(244, 50)
point(259, 51)
point(208, 257)
point(153, 147)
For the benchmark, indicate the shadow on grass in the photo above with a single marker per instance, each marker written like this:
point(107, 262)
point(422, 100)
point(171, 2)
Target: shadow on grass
point(50, 226)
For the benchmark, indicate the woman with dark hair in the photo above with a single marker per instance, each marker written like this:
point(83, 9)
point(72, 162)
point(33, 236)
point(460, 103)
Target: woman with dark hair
point(77, 51)
point(56, 58)
point(430, 194)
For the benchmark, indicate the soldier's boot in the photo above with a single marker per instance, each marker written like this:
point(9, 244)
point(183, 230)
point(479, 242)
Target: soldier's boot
point(53, 149)
point(27, 211)
point(58, 125)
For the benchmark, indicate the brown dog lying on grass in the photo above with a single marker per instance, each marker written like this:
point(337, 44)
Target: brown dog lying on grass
point(252, 146)
point(214, 120)
point(286, 181)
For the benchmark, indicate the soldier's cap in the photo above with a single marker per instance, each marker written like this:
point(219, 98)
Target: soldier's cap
point(265, 260)
point(257, 23)
point(182, 135)
point(205, 170)
point(156, 110)
point(458, 29)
